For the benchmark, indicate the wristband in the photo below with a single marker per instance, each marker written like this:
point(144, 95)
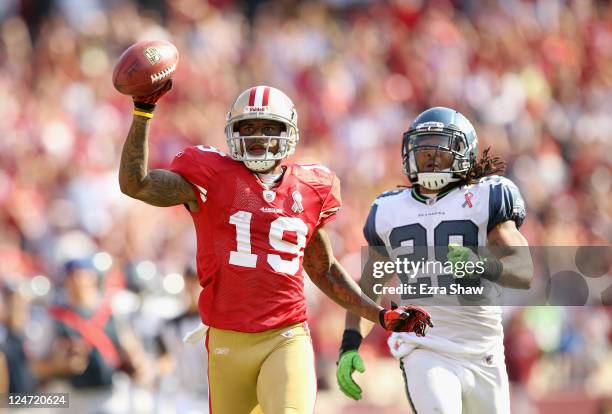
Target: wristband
point(148, 115)
point(142, 106)
point(351, 340)
point(493, 269)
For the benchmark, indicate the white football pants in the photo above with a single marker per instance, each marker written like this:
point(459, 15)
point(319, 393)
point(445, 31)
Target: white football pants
point(440, 383)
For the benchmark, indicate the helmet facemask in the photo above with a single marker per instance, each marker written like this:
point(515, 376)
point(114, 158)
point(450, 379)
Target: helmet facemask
point(449, 162)
point(239, 144)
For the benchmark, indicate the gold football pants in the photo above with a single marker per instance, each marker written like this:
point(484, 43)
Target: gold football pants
point(271, 372)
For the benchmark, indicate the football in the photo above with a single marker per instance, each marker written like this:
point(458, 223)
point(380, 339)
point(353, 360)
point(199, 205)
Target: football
point(144, 67)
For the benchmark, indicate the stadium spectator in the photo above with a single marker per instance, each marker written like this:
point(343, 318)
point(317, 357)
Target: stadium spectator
point(20, 371)
point(25, 371)
point(85, 324)
point(184, 386)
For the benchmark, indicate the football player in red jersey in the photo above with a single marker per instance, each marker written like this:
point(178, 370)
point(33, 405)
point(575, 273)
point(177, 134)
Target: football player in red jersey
point(258, 224)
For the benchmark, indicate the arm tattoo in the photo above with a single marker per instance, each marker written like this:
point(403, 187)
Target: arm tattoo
point(134, 157)
point(366, 283)
point(333, 280)
point(158, 187)
point(165, 188)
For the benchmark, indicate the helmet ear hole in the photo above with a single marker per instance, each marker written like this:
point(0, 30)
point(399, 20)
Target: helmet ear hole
point(458, 144)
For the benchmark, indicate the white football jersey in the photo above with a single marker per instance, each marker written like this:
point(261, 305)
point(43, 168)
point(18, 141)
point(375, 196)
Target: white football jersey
point(412, 227)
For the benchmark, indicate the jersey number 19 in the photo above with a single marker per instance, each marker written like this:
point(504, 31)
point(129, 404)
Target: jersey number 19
point(243, 256)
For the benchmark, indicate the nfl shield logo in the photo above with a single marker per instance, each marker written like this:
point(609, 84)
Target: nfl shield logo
point(153, 55)
point(269, 195)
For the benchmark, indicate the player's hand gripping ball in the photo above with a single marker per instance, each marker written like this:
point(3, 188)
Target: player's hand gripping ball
point(145, 68)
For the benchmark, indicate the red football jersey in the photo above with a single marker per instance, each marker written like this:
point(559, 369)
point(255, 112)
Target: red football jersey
point(251, 240)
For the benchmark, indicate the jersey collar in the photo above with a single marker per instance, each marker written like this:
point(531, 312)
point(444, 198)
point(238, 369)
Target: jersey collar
point(286, 171)
point(429, 200)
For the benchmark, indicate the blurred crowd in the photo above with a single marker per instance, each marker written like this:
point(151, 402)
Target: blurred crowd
point(534, 76)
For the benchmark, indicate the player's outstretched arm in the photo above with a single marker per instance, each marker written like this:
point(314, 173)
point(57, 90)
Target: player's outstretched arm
point(357, 328)
point(160, 188)
point(512, 250)
point(325, 271)
point(329, 276)
point(366, 284)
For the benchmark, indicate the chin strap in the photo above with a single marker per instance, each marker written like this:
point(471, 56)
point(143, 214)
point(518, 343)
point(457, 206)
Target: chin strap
point(259, 166)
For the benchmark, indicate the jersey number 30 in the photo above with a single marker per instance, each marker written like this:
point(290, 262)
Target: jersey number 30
point(243, 256)
point(415, 236)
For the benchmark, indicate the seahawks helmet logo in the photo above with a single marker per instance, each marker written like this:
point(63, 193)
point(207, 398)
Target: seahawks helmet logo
point(430, 125)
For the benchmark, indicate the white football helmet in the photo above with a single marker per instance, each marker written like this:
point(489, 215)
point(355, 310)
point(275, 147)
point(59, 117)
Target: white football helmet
point(262, 102)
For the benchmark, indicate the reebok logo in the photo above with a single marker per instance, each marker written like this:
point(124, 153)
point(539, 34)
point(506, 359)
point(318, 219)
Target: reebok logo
point(221, 351)
point(288, 334)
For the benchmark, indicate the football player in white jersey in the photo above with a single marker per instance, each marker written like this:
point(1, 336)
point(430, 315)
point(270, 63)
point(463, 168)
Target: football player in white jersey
point(456, 206)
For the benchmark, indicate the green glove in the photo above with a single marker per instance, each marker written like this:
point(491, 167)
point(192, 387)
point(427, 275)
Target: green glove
point(459, 256)
point(470, 265)
point(349, 362)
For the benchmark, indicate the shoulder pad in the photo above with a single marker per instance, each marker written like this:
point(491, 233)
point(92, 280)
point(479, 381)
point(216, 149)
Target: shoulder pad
point(206, 148)
point(316, 168)
point(495, 180)
point(388, 194)
point(315, 172)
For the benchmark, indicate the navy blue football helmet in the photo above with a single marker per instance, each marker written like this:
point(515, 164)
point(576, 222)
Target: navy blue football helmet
point(447, 132)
